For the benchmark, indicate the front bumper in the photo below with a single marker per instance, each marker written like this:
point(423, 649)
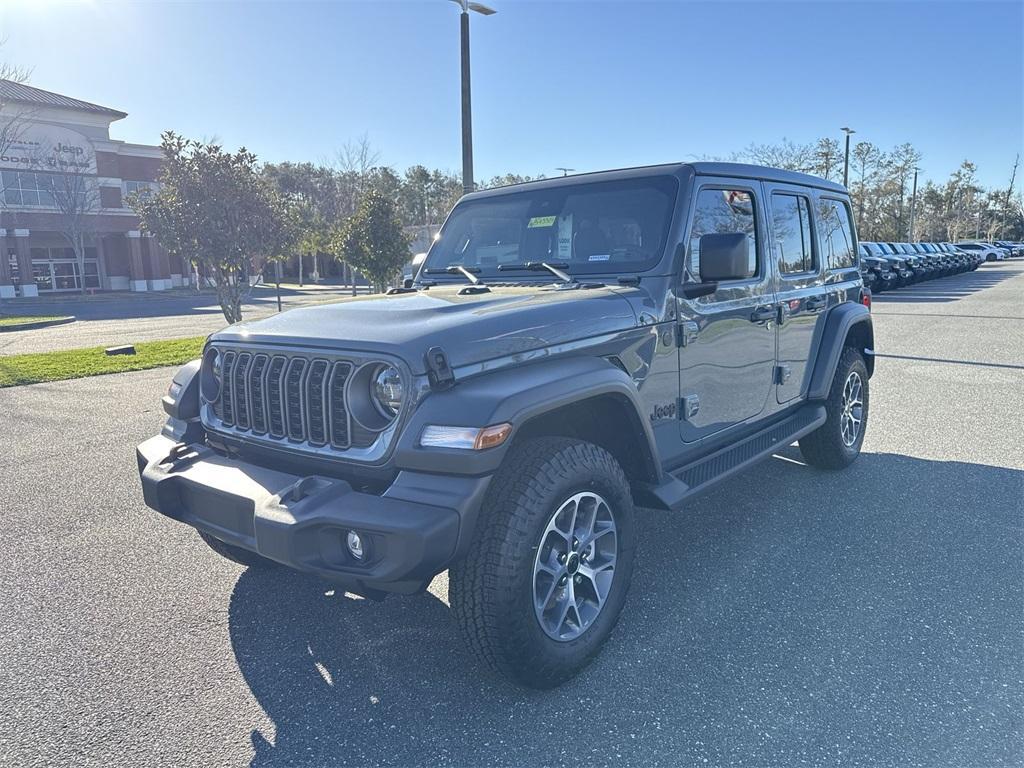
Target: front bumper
point(413, 529)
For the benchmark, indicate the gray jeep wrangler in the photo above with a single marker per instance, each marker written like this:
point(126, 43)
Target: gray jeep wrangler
point(569, 350)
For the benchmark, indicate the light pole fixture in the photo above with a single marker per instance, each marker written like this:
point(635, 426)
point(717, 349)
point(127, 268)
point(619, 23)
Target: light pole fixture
point(913, 204)
point(846, 162)
point(565, 171)
point(467, 117)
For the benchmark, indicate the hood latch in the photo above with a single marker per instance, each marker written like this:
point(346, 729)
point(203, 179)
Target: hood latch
point(439, 371)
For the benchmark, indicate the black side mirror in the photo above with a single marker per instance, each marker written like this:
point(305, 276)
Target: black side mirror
point(724, 257)
point(407, 283)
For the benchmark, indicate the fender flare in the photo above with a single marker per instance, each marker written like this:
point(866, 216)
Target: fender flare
point(182, 404)
point(838, 325)
point(516, 395)
point(182, 399)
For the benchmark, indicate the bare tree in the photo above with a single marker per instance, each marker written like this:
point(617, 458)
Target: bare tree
point(13, 115)
point(76, 197)
point(828, 158)
point(354, 163)
point(786, 154)
point(866, 160)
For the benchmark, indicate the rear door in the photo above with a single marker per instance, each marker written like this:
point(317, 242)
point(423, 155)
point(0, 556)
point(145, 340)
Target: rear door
point(800, 289)
point(727, 339)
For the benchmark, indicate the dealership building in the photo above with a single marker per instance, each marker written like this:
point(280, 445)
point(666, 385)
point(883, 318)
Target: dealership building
point(44, 135)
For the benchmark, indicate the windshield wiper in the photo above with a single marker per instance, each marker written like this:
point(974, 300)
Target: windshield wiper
point(467, 272)
point(476, 284)
point(539, 266)
point(457, 269)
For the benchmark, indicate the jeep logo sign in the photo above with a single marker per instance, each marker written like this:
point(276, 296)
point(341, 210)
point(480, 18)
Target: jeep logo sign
point(48, 148)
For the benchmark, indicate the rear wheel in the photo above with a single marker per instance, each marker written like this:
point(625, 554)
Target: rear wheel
point(236, 554)
point(837, 442)
point(546, 577)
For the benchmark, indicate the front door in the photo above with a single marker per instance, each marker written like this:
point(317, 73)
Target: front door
point(727, 339)
point(801, 285)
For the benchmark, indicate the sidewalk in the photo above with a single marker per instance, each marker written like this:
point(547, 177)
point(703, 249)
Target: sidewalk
point(261, 291)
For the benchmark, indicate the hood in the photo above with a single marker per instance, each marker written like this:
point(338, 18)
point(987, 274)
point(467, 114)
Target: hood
point(471, 328)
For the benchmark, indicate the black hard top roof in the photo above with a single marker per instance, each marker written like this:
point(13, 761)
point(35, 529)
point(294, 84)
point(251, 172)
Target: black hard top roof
point(732, 170)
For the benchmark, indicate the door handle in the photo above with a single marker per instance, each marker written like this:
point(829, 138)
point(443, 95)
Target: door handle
point(763, 314)
point(815, 302)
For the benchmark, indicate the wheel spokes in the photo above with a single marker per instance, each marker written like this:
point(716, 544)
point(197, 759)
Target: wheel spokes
point(853, 409)
point(574, 566)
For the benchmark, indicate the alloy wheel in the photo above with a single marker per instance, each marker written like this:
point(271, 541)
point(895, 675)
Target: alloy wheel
point(852, 417)
point(575, 566)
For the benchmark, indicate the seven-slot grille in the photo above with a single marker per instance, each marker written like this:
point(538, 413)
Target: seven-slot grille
point(288, 397)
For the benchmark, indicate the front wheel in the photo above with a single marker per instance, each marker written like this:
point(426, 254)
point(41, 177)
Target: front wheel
point(837, 442)
point(546, 577)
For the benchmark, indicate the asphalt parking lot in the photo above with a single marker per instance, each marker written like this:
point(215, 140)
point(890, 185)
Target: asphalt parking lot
point(792, 617)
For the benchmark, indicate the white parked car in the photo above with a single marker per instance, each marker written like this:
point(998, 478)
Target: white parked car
point(990, 252)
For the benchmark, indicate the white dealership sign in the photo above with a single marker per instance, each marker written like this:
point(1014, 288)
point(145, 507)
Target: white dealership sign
point(42, 147)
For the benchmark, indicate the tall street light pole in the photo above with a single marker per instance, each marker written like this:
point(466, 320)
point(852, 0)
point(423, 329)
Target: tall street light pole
point(846, 162)
point(467, 116)
point(913, 204)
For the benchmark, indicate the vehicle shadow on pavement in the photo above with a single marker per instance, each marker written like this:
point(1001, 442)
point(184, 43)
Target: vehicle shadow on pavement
point(870, 616)
point(945, 289)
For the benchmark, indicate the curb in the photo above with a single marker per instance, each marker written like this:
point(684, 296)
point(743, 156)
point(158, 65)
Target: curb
point(38, 324)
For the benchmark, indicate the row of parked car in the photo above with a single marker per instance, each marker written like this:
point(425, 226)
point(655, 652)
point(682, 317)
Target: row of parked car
point(997, 250)
point(892, 265)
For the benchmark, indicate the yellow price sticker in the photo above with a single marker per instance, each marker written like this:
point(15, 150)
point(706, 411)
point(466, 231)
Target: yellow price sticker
point(541, 221)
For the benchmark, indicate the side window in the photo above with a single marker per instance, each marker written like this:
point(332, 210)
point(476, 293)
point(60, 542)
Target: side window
point(791, 225)
point(721, 211)
point(835, 234)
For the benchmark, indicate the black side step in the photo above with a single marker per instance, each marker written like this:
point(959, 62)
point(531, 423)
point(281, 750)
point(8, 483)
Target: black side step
point(691, 479)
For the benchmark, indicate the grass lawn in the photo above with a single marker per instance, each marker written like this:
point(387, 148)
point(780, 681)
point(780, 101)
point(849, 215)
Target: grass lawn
point(19, 319)
point(76, 363)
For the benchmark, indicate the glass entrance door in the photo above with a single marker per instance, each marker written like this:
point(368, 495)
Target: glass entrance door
point(56, 269)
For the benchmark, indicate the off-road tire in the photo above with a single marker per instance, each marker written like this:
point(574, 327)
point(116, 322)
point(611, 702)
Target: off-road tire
point(491, 591)
point(824, 447)
point(236, 554)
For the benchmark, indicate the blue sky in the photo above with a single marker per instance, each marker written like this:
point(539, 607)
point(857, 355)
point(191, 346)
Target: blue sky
point(586, 85)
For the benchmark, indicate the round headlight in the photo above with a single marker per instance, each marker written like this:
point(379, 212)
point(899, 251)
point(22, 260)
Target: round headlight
point(210, 376)
point(386, 391)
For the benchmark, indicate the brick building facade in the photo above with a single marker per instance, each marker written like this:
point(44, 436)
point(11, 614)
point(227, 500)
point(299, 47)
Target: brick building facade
point(44, 135)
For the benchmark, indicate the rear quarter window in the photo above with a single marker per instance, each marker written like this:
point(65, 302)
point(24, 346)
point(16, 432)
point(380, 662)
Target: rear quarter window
point(835, 234)
point(791, 226)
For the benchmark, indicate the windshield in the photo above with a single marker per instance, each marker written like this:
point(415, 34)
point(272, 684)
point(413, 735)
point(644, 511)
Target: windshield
point(596, 227)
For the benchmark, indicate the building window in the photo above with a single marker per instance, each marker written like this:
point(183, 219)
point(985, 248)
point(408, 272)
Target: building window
point(12, 259)
point(142, 188)
point(37, 189)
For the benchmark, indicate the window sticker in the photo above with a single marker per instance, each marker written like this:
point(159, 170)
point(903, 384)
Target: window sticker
point(565, 237)
point(600, 257)
point(541, 221)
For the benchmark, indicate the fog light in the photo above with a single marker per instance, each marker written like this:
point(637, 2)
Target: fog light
point(355, 545)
